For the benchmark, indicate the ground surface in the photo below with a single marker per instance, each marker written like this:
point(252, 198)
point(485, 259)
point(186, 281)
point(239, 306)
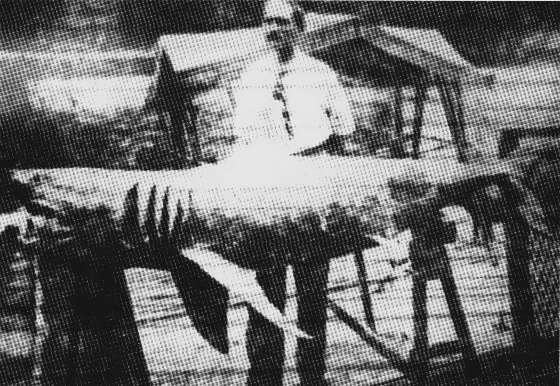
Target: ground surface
point(177, 355)
point(172, 346)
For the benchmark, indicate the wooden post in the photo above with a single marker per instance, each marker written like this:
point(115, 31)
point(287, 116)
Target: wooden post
point(509, 141)
point(449, 114)
point(177, 136)
point(58, 284)
point(265, 342)
point(472, 367)
point(311, 278)
point(362, 278)
point(458, 91)
point(112, 348)
point(517, 234)
point(4, 269)
point(191, 116)
point(376, 341)
point(170, 94)
point(163, 123)
point(419, 101)
point(397, 148)
point(420, 353)
point(430, 261)
point(452, 120)
point(92, 336)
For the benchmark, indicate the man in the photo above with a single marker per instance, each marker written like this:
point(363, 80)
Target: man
point(288, 103)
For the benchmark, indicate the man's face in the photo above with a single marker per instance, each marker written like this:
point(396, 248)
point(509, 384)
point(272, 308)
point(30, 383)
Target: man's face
point(280, 31)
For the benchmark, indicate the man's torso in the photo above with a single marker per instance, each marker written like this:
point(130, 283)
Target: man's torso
point(305, 86)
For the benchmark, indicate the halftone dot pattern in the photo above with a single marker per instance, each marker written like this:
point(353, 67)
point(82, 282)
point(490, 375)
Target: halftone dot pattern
point(101, 100)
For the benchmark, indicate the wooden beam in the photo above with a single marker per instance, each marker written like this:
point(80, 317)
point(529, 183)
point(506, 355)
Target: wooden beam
point(457, 89)
point(363, 280)
point(419, 102)
point(265, 341)
point(311, 278)
point(58, 348)
point(191, 115)
point(459, 319)
point(397, 148)
point(419, 356)
point(394, 357)
point(112, 349)
point(518, 259)
point(452, 120)
point(177, 135)
point(92, 335)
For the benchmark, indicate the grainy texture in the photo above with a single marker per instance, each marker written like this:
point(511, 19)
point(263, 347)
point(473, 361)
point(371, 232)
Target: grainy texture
point(73, 80)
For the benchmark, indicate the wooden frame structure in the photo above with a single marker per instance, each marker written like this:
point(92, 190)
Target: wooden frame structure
point(398, 56)
point(110, 332)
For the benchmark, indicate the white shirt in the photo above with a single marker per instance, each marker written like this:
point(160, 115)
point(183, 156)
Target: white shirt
point(315, 100)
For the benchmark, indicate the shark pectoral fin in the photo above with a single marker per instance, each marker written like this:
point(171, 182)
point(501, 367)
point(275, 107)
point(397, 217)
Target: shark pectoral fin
point(243, 283)
point(205, 301)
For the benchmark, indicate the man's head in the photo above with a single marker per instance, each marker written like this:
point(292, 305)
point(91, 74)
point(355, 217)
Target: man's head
point(283, 23)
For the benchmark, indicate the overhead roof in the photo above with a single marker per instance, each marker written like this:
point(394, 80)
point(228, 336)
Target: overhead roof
point(420, 50)
point(190, 51)
point(187, 52)
point(426, 49)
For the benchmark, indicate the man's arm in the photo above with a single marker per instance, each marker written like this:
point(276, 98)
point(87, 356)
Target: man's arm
point(340, 116)
point(338, 111)
point(241, 98)
point(338, 107)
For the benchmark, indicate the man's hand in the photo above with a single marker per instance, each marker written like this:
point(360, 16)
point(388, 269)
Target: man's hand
point(334, 145)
